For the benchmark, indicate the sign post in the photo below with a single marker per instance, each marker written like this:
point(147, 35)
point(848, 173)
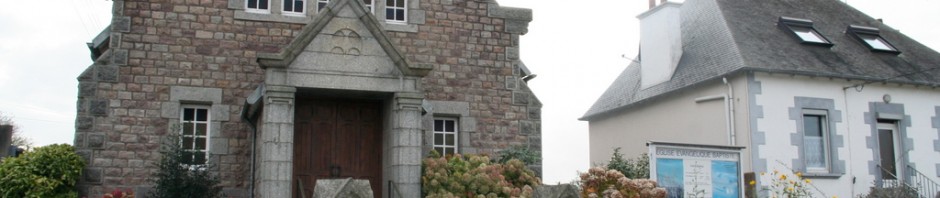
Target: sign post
point(694, 170)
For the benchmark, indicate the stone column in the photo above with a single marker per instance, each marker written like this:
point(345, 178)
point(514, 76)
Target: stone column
point(405, 144)
point(276, 140)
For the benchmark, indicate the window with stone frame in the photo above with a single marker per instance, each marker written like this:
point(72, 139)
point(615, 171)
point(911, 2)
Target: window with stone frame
point(294, 7)
point(396, 11)
point(445, 136)
point(260, 6)
point(194, 133)
point(816, 140)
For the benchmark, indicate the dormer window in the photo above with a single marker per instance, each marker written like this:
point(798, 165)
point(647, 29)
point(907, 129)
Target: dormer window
point(871, 38)
point(803, 29)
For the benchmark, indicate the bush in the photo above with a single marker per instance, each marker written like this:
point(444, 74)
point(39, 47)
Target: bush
point(472, 176)
point(173, 179)
point(48, 171)
point(637, 168)
point(522, 153)
point(892, 192)
point(601, 182)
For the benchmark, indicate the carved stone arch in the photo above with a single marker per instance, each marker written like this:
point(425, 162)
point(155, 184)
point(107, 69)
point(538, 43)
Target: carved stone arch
point(347, 41)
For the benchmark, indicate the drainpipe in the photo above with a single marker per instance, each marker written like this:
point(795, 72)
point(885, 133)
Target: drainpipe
point(729, 101)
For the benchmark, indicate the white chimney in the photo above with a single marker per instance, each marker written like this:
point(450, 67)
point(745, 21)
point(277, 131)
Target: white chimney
point(660, 43)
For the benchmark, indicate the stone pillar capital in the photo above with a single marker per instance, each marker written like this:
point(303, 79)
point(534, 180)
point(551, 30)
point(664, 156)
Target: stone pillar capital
point(279, 94)
point(409, 100)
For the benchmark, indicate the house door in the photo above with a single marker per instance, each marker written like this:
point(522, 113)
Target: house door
point(336, 139)
point(892, 156)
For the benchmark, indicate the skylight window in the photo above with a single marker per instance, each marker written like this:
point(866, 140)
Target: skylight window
point(871, 38)
point(803, 29)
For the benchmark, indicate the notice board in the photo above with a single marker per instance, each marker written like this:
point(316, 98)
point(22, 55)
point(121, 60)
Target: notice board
point(695, 170)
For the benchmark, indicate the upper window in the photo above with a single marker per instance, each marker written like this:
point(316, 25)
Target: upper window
point(322, 4)
point(803, 29)
point(815, 141)
point(257, 5)
point(294, 7)
point(395, 11)
point(194, 134)
point(871, 38)
point(445, 136)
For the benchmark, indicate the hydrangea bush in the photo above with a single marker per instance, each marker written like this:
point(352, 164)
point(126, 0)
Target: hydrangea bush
point(601, 182)
point(474, 176)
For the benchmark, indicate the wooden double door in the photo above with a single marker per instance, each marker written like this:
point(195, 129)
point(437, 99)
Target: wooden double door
point(335, 139)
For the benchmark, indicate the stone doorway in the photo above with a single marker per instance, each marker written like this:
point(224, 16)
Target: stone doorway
point(336, 138)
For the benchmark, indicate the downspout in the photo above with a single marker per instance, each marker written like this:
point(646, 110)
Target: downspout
point(249, 109)
point(729, 101)
point(251, 178)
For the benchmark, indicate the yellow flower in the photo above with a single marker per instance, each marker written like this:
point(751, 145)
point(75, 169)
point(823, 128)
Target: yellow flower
point(807, 181)
point(834, 197)
point(752, 182)
point(799, 174)
point(783, 177)
point(789, 188)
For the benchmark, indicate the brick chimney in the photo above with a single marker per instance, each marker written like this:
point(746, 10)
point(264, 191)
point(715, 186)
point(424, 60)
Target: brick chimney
point(660, 43)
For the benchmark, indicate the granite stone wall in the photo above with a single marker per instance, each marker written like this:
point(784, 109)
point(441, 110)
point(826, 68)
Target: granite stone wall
point(126, 99)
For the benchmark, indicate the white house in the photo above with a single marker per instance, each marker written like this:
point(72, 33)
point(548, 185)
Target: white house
point(813, 86)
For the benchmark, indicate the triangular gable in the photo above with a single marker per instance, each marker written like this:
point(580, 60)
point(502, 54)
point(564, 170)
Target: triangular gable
point(340, 10)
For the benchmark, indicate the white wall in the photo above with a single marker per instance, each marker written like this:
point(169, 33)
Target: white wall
point(778, 93)
point(674, 118)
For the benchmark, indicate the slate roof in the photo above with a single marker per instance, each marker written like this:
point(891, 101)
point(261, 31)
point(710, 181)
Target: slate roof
point(721, 38)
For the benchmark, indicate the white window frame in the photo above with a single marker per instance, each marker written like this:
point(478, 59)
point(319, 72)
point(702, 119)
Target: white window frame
point(824, 126)
point(444, 133)
point(324, 3)
point(196, 122)
point(394, 7)
point(303, 10)
point(258, 7)
point(370, 6)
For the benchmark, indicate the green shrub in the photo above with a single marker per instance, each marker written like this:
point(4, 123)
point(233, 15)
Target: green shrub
point(522, 153)
point(473, 176)
point(892, 192)
point(48, 171)
point(600, 182)
point(636, 168)
point(173, 179)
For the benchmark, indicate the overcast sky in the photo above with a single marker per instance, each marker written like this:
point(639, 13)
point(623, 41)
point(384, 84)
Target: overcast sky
point(575, 47)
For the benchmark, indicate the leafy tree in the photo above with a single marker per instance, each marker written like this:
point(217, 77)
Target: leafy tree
point(174, 179)
point(522, 153)
point(636, 168)
point(48, 171)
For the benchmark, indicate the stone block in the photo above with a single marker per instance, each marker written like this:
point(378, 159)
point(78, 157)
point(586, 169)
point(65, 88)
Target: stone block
point(528, 127)
point(556, 191)
point(98, 107)
point(520, 98)
point(119, 56)
point(95, 141)
point(512, 53)
point(107, 73)
point(511, 82)
point(196, 94)
point(416, 16)
point(92, 175)
point(170, 110)
point(468, 124)
point(121, 24)
point(342, 188)
point(218, 146)
point(87, 89)
point(84, 122)
point(221, 112)
point(535, 113)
